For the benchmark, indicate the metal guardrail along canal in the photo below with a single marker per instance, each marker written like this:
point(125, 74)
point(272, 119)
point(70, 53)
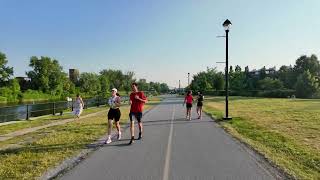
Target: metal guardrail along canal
point(24, 112)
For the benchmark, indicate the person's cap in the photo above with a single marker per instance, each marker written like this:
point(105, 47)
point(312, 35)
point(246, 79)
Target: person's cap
point(114, 89)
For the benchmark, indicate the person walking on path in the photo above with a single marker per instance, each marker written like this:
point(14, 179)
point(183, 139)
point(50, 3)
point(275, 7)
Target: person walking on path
point(200, 104)
point(78, 106)
point(114, 114)
point(137, 101)
point(188, 101)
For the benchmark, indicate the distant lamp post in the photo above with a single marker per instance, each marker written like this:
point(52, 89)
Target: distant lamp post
point(226, 26)
point(188, 80)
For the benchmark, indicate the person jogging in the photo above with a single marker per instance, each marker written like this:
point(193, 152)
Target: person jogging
point(188, 101)
point(78, 106)
point(137, 101)
point(114, 114)
point(200, 104)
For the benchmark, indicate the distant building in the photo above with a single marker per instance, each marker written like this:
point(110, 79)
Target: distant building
point(270, 71)
point(74, 75)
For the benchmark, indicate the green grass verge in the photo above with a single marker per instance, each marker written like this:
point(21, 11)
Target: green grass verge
point(286, 131)
point(30, 155)
point(5, 129)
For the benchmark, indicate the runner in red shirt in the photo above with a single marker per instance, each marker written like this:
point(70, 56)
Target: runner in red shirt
point(188, 100)
point(137, 101)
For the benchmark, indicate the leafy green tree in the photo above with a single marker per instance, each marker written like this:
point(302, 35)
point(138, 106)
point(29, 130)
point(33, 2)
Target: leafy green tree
point(237, 80)
point(238, 68)
point(128, 79)
point(5, 71)
point(218, 81)
point(143, 85)
point(69, 88)
point(47, 75)
point(200, 82)
point(164, 88)
point(89, 83)
point(115, 77)
point(11, 91)
point(270, 84)
point(307, 85)
point(105, 85)
point(287, 75)
point(262, 73)
point(231, 70)
point(305, 63)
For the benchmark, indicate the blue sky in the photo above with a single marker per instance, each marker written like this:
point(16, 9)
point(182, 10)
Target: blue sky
point(159, 40)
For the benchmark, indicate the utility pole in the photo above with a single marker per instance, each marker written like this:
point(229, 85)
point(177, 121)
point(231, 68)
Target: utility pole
point(189, 79)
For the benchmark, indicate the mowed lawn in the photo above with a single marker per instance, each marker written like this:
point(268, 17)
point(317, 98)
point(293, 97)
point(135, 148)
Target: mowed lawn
point(31, 155)
point(286, 131)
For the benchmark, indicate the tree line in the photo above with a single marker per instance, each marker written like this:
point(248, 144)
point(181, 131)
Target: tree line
point(300, 80)
point(47, 80)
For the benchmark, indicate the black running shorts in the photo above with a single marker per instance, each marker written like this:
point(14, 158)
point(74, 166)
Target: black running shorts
point(199, 104)
point(189, 105)
point(114, 114)
point(137, 115)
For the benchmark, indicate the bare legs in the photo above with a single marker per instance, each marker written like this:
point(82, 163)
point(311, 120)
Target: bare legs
point(140, 125)
point(132, 128)
point(117, 124)
point(188, 114)
point(199, 112)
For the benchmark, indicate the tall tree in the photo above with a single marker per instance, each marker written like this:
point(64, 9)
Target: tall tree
point(238, 68)
point(115, 77)
point(164, 88)
point(287, 76)
point(262, 73)
point(306, 85)
point(47, 74)
point(270, 84)
point(128, 78)
point(305, 63)
point(105, 85)
point(89, 83)
point(5, 71)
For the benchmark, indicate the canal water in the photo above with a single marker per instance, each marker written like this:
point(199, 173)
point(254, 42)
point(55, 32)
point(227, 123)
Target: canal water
point(27, 110)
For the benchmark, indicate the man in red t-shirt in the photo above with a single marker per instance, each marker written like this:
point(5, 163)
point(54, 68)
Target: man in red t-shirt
point(137, 101)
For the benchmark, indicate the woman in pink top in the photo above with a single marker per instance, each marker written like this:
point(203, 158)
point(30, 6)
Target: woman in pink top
point(188, 100)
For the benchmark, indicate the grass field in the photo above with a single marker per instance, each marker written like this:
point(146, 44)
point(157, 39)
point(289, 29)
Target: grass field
point(5, 129)
point(29, 156)
point(286, 131)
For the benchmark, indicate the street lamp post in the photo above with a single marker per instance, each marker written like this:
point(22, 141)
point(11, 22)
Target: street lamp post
point(188, 79)
point(226, 26)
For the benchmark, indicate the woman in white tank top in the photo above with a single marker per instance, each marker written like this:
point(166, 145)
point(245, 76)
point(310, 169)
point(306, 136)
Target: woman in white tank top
point(114, 114)
point(78, 106)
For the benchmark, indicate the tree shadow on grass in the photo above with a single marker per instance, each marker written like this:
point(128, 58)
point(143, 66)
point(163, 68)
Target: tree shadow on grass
point(45, 148)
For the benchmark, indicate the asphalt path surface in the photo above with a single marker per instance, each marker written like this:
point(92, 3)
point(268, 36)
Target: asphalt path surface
point(174, 148)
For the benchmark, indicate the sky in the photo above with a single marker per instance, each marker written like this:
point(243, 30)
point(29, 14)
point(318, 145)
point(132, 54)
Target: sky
point(159, 40)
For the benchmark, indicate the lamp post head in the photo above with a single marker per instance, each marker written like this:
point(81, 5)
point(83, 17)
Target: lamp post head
point(226, 24)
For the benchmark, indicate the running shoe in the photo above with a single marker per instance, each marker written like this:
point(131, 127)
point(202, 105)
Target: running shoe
point(108, 141)
point(119, 136)
point(131, 141)
point(140, 136)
